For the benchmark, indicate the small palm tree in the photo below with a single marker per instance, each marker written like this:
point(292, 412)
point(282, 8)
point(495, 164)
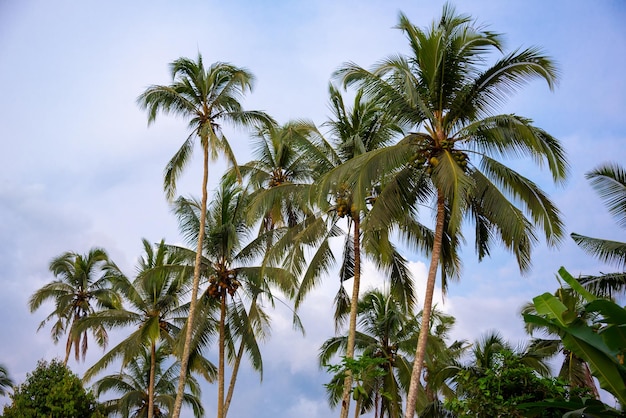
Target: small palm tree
point(134, 381)
point(207, 97)
point(81, 289)
point(226, 264)
point(5, 381)
point(386, 331)
point(155, 312)
point(450, 161)
point(609, 181)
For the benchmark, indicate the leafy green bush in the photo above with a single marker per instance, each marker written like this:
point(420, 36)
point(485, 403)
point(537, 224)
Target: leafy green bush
point(52, 391)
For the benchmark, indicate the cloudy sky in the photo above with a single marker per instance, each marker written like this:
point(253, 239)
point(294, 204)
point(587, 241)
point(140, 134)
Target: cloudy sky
point(80, 168)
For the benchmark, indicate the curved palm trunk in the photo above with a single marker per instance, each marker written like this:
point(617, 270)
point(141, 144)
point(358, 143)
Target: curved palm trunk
point(428, 304)
point(354, 302)
point(184, 361)
point(151, 380)
point(220, 367)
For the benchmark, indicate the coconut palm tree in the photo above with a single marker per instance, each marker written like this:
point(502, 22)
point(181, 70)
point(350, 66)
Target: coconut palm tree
point(279, 163)
point(5, 381)
point(387, 331)
point(207, 98)
point(81, 289)
point(450, 161)
point(154, 298)
point(353, 131)
point(226, 264)
point(134, 381)
point(609, 180)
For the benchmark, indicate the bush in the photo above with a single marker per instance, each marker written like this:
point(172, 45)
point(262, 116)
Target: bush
point(52, 391)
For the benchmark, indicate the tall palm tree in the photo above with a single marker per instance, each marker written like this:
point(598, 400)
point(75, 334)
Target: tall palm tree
point(81, 289)
point(155, 312)
point(609, 180)
point(134, 381)
point(451, 161)
point(207, 97)
point(365, 126)
point(5, 380)
point(226, 264)
point(279, 163)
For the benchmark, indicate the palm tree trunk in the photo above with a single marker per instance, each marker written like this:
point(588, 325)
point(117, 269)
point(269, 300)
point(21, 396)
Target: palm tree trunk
point(357, 408)
point(354, 302)
point(184, 361)
point(233, 378)
point(151, 380)
point(220, 367)
point(428, 304)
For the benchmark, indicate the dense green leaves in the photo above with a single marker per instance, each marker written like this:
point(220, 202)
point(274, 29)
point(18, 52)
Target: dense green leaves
point(601, 344)
point(52, 391)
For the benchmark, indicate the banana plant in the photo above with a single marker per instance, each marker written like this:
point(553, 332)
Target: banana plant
point(601, 342)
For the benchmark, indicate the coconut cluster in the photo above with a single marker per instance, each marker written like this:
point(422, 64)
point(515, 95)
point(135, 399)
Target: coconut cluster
point(428, 159)
point(223, 283)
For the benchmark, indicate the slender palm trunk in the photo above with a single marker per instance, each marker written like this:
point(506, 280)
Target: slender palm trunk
point(184, 361)
point(428, 304)
point(357, 408)
point(233, 377)
point(220, 367)
point(354, 302)
point(151, 380)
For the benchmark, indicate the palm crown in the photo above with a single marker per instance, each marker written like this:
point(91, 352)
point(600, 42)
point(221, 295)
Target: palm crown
point(81, 289)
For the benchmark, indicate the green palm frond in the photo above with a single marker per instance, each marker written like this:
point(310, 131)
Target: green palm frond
point(609, 181)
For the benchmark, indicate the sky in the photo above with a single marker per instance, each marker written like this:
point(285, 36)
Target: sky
point(80, 168)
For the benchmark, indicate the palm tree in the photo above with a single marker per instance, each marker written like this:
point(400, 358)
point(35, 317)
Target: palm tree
point(279, 163)
point(206, 97)
point(609, 180)
point(450, 161)
point(365, 126)
point(387, 331)
point(226, 262)
point(134, 381)
point(155, 312)
point(5, 380)
point(80, 290)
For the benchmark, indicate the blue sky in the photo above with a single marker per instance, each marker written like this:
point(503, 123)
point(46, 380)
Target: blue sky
point(80, 168)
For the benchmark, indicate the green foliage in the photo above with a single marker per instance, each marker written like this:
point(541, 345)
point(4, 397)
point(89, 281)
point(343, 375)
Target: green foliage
point(602, 344)
point(52, 391)
point(363, 368)
point(499, 390)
